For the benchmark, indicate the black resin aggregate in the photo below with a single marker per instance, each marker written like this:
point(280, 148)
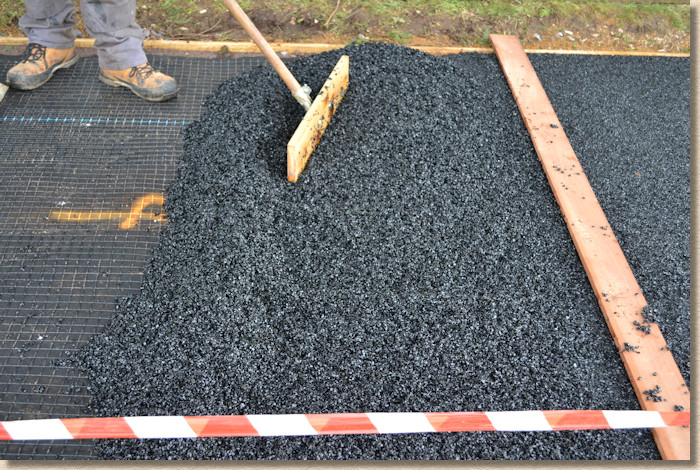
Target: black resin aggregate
point(420, 264)
point(639, 166)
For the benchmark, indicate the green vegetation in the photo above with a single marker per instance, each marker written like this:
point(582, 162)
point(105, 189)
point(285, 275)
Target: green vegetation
point(10, 11)
point(473, 20)
point(182, 12)
point(462, 22)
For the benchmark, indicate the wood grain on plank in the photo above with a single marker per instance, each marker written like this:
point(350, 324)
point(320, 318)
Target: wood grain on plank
point(317, 118)
point(647, 360)
point(315, 48)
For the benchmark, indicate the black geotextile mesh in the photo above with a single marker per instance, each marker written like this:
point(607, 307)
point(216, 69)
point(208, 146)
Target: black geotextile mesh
point(77, 145)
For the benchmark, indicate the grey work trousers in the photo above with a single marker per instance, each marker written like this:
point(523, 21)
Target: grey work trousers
point(118, 39)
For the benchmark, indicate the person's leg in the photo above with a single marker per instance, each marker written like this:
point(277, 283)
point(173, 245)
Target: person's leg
point(119, 44)
point(118, 38)
point(48, 25)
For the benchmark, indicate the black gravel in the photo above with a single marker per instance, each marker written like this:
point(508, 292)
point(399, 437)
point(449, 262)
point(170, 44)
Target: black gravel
point(640, 170)
point(420, 264)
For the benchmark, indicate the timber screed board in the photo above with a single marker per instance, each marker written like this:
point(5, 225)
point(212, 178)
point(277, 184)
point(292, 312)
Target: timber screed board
point(618, 293)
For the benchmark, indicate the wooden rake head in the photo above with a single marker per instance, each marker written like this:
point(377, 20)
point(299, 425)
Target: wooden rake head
point(317, 118)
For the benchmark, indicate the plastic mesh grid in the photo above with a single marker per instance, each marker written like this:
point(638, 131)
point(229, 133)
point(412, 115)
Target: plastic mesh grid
point(77, 145)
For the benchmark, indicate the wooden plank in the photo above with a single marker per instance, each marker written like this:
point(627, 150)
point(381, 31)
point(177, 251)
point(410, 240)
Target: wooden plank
point(647, 360)
point(317, 118)
point(310, 48)
point(216, 46)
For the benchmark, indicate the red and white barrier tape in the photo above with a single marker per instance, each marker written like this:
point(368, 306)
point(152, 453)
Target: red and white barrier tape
point(165, 427)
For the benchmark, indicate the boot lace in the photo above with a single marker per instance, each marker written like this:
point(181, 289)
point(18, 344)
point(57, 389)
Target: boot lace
point(34, 52)
point(142, 71)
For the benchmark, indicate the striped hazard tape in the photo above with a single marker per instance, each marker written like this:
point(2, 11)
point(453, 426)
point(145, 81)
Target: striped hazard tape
point(166, 427)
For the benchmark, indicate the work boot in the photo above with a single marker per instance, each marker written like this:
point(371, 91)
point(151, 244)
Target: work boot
point(38, 65)
point(143, 80)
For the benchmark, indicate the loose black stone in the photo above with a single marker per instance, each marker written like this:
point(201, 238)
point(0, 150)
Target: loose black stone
point(653, 394)
point(645, 328)
point(632, 126)
point(649, 314)
point(420, 264)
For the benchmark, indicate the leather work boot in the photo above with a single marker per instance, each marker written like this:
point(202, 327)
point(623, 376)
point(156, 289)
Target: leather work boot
point(144, 81)
point(38, 65)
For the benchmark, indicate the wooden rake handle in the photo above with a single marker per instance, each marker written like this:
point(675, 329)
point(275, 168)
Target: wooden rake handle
point(300, 93)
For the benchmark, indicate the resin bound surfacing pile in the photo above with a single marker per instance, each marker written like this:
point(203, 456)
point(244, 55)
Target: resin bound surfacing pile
point(419, 264)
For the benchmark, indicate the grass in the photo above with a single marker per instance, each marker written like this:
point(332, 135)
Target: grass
point(467, 21)
point(394, 16)
point(484, 33)
point(633, 13)
point(10, 11)
point(398, 36)
point(183, 12)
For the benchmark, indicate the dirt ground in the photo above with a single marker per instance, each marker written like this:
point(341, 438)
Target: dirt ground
point(210, 22)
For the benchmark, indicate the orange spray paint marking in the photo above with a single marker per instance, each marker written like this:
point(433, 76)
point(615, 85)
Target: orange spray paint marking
point(137, 209)
point(129, 219)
